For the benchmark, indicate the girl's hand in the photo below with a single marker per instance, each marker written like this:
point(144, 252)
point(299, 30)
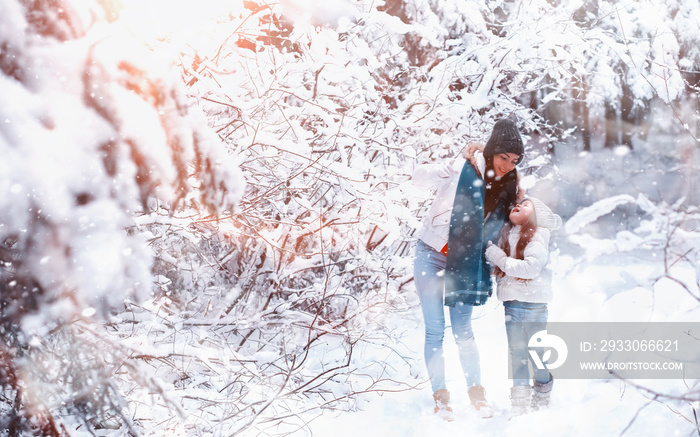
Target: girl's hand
point(496, 255)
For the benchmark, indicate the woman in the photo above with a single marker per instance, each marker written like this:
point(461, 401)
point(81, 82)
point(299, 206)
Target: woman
point(470, 207)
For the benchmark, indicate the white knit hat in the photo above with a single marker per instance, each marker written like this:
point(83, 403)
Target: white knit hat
point(545, 217)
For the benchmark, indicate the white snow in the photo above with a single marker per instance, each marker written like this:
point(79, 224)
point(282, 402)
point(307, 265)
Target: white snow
point(266, 311)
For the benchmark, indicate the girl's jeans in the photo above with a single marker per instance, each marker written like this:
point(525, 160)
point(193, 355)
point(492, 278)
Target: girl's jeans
point(429, 278)
point(523, 320)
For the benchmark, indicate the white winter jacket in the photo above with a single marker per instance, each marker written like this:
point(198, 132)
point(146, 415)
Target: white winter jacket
point(444, 179)
point(537, 284)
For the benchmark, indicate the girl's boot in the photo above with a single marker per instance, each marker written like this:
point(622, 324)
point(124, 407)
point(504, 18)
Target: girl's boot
point(541, 393)
point(519, 400)
point(477, 395)
point(442, 407)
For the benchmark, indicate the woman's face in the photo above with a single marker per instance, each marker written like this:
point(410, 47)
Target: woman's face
point(503, 163)
point(522, 213)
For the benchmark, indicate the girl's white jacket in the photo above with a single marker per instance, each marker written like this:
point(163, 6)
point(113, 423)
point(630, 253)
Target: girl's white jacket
point(525, 280)
point(444, 179)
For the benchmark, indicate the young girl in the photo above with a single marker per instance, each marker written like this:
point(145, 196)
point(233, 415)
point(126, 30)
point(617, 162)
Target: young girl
point(524, 287)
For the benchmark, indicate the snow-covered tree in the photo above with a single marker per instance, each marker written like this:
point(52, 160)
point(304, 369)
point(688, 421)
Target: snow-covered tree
point(95, 131)
point(121, 246)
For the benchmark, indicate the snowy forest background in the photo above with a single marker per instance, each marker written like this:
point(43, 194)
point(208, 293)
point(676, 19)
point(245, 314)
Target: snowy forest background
point(207, 218)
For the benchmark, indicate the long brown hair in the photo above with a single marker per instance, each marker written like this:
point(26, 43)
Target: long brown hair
point(497, 190)
point(527, 232)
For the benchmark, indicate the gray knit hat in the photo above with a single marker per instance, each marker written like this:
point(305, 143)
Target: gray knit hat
point(505, 138)
point(545, 217)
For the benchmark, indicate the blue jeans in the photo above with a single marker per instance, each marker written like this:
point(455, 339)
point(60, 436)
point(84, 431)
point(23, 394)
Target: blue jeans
point(429, 278)
point(523, 320)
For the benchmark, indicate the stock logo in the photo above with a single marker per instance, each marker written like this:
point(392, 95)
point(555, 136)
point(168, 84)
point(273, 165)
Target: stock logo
point(547, 341)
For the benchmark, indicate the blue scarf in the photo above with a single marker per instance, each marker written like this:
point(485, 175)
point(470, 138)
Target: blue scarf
point(468, 274)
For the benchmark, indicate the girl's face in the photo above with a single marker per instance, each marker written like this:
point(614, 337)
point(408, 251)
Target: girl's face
point(503, 163)
point(522, 212)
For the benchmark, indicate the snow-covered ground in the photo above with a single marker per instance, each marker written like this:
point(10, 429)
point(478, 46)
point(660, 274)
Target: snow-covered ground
point(578, 407)
point(601, 277)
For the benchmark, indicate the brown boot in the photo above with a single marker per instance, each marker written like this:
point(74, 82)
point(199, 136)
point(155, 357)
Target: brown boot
point(442, 407)
point(477, 395)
